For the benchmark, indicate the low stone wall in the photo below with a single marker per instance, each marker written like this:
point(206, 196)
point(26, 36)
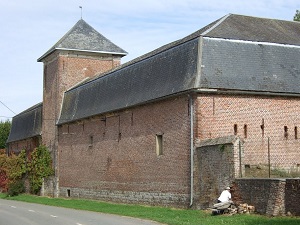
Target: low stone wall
point(48, 187)
point(132, 197)
point(272, 197)
point(292, 196)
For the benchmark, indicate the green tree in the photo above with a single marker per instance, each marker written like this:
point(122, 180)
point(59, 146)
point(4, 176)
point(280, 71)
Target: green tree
point(4, 132)
point(297, 16)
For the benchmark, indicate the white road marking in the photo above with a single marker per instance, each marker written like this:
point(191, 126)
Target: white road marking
point(79, 224)
point(13, 206)
point(30, 210)
point(53, 216)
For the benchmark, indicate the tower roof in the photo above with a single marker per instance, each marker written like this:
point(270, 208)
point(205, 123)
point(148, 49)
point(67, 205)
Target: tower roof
point(84, 38)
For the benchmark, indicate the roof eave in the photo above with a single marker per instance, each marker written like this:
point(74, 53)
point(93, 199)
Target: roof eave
point(122, 54)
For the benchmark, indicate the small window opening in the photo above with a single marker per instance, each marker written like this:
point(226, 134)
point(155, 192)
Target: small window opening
point(286, 132)
point(235, 129)
point(245, 131)
point(262, 127)
point(159, 144)
point(247, 166)
point(91, 140)
point(296, 132)
point(68, 192)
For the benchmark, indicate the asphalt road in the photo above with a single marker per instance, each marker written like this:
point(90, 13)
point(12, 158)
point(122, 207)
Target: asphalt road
point(21, 213)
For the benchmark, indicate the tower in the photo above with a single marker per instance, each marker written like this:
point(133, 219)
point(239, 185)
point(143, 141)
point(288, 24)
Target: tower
point(80, 54)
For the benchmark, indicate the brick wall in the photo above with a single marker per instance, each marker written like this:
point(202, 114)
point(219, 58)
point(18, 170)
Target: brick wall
point(254, 119)
point(113, 157)
point(27, 144)
point(61, 72)
point(269, 196)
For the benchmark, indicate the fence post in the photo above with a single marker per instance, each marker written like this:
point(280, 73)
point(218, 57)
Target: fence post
point(269, 157)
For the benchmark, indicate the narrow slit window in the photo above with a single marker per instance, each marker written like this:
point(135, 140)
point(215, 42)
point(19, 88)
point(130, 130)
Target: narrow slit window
point(296, 132)
point(159, 144)
point(245, 131)
point(286, 132)
point(91, 141)
point(235, 129)
point(262, 127)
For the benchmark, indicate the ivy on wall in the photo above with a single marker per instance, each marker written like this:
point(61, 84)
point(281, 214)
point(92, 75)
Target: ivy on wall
point(39, 167)
point(14, 169)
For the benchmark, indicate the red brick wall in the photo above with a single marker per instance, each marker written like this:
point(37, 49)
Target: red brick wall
point(61, 72)
point(263, 116)
point(28, 144)
point(122, 164)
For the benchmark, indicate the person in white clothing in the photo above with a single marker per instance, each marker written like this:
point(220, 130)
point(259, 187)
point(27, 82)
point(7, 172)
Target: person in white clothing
point(225, 195)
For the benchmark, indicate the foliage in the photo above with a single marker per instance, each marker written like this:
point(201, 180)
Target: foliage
point(14, 169)
point(39, 167)
point(16, 188)
point(4, 132)
point(16, 166)
point(160, 214)
point(3, 171)
point(297, 16)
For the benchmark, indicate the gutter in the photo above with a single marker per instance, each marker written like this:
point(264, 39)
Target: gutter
point(191, 109)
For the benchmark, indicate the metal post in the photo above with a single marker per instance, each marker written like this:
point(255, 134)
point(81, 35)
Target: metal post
point(269, 157)
point(240, 158)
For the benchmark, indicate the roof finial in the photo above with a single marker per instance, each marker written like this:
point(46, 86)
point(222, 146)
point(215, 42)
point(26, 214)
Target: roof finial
point(80, 11)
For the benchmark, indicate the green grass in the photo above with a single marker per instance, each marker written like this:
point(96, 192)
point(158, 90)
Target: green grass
point(160, 214)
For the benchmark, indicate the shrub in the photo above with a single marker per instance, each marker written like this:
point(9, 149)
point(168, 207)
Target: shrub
point(15, 188)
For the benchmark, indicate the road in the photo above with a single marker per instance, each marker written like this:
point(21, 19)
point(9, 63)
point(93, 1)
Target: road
point(21, 213)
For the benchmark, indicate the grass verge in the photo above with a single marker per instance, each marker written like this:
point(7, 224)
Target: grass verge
point(160, 214)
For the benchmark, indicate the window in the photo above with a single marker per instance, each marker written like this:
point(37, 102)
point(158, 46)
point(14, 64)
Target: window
point(91, 140)
point(159, 144)
point(286, 132)
point(235, 129)
point(245, 131)
point(262, 127)
point(296, 132)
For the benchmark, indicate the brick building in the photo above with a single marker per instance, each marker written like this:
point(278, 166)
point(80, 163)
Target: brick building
point(176, 125)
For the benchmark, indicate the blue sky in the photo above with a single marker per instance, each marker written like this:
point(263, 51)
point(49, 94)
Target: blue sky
point(29, 28)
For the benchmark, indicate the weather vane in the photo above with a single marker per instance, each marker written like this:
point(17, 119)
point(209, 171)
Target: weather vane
point(81, 10)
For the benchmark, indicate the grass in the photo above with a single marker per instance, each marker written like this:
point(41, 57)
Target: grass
point(160, 214)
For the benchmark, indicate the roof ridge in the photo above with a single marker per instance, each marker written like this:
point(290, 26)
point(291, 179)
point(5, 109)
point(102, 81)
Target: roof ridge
point(215, 25)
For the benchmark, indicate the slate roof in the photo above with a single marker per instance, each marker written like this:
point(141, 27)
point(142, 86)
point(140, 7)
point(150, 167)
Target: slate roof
point(26, 124)
point(233, 53)
point(83, 37)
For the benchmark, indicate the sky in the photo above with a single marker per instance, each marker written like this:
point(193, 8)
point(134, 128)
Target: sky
point(29, 28)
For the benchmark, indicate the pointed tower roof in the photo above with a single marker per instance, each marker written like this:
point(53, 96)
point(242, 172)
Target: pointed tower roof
point(84, 38)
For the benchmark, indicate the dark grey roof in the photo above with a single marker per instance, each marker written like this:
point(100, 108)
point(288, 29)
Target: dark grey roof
point(232, 56)
point(164, 74)
point(83, 37)
point(239, 27)
point(250, 66)
point(26, 124)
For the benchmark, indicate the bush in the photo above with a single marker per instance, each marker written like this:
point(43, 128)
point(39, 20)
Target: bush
point(16, 188)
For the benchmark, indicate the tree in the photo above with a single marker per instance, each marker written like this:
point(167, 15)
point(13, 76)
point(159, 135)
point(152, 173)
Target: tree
point(4, 132)
point(297, 16)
